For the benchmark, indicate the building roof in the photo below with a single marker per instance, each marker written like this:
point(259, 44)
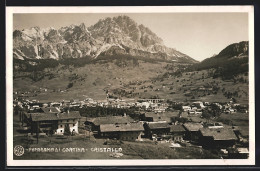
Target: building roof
point(123, 127)
point(83, 118)
point(111, 120)
point(190, 126)
point(157, 125)
point(219, 134)
point(161, 116)
point(54, 116)
point(243, 150)
point(177, 128)
point(244, 130)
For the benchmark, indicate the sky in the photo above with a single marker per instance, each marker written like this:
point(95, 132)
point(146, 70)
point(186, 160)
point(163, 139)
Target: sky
point(199, 35)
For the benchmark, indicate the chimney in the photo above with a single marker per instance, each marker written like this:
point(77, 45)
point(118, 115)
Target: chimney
point(124, 114)
point(68, 111)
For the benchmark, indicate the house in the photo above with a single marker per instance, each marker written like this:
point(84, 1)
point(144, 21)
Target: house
point(192, 131)
point(160, 109)
point(215, 125)
point(147, 117)
point(242, 133)
point(217, 138)
point(53, 123)
point(207, 103)
point(199, 105)
point(186, 108)
point(152, 117)
point(122, 131)
point(96, 122)
point(146, 105)
point(238, 153)
point(55, 104)
point(191, 112)
point(158, 128)
point(177, 132)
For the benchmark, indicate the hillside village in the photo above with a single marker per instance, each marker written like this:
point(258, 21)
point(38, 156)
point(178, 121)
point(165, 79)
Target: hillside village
point(115, 90)
point(180, 125)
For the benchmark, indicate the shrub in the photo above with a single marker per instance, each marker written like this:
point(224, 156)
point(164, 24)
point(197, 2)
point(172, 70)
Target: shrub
point(70, 85)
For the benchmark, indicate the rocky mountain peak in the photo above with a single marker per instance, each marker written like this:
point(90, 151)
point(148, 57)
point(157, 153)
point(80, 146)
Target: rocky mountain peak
point(82, 26)
point(115, 35)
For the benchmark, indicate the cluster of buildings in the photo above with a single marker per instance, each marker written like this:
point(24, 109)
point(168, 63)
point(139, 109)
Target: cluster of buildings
point(228, 108)
point(55, 117)
point(207, 135)
point(154, 105)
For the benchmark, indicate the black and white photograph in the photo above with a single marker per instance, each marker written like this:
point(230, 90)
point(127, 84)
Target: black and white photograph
point(130, 85)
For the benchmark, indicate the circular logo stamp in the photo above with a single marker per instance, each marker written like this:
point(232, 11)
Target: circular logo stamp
point(18, 150)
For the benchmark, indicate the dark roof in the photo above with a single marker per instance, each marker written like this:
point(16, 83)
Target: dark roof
point(177, 128)
point(244, 130)
point(190, 126)
point(157, 125)
point(122, 127)
point(219, 134)
point(54, 116)
point(111, 120)
point(161, 116)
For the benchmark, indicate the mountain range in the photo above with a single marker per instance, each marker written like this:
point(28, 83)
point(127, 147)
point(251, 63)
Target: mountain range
point(110, 36)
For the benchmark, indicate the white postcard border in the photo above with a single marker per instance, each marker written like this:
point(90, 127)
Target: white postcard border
point(138, 9)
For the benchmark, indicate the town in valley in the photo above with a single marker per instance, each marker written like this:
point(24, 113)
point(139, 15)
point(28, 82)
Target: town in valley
point(113, 90)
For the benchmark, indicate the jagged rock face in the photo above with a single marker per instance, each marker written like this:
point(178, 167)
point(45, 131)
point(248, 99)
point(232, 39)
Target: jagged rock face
point(110, 36)
point(235, 49)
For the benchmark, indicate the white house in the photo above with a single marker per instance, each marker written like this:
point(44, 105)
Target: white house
point(199, 104)
point(186, 108)
point(54, 122)
point(73, 125)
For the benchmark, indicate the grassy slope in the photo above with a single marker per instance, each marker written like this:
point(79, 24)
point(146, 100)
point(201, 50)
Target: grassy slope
point(92, 79)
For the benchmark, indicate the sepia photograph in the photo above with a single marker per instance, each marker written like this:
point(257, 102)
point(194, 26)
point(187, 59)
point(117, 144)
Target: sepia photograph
point(130, 85)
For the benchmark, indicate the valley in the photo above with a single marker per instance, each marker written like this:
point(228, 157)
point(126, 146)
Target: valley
point(126, 80)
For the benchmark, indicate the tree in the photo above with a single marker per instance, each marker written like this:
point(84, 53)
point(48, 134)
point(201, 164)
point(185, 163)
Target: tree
point(215, 110)
point(67, 130)
point(70, 85)
point(206, 114)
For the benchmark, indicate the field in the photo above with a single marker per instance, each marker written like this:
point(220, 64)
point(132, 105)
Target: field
point(239, 119)
point(128, 81)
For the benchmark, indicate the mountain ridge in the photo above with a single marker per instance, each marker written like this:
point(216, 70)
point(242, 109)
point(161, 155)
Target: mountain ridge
point(229, 62)
point(77, 41)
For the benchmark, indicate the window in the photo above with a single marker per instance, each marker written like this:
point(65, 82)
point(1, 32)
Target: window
point(60, 130)
point(61, 121)
point(73, 124)
point(73, 130)
point(61, 126)
point(68, 120)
